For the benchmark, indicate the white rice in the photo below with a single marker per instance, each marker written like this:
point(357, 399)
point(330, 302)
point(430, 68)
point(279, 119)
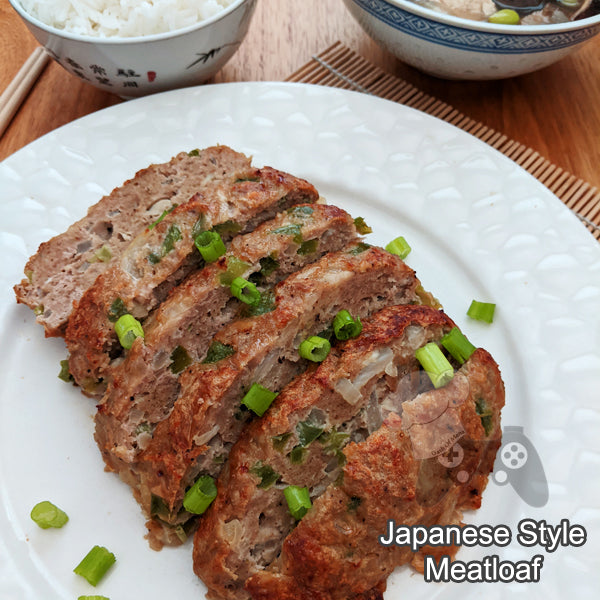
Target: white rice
point(122, 18)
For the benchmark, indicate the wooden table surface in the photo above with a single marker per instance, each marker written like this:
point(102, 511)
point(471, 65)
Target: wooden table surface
point(555, 111)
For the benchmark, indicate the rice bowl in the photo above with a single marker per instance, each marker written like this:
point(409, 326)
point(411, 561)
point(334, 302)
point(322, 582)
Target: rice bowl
point(122, 18)
point(141, 64)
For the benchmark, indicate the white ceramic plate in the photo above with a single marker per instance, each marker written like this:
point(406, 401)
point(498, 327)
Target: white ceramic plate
point(480, 227)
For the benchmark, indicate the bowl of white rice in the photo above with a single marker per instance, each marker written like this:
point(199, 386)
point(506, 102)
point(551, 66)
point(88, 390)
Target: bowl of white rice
point(133, 48)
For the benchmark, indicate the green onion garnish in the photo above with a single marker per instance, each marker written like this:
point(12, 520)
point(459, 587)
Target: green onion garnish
point(345, 327)
point(436, 365)
point(218, 351)
point(180, 360)
point(245, 291)
point(280, 440)
point(95, 564)
point(308, 247)
point(361, 226)
point(47, 515)
point(258, 398)
point(200, 496)
point(481, 311)
point(117, 309)
point(210, 245)
point(298, 500)
point(162, 216)
point(458, 345)
point(103, 254)
point(92, 598)
point(268, 476)
point(400, 247)
point(307, 432)
point(235, 268)
point(128, 328)
point(65, 374)
point(314, 348)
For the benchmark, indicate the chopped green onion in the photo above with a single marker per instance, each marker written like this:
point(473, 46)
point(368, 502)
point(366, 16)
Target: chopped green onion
point(485, 415)
point(258, 398)
point(95, 564)
point(46, 515)
point(400, 247)
point(307, 432)
point(314, 348)
point(180, 360)
point(235, 268)
point(359, 248)
point(279, 441)
point(481, 311)
point(65, 374)
point(194, 152)
point(308, 247)
point(128, 328)
point(361, 226)
point(297, 455)
point(210, 245)
point(218, 351)
point(173, 235)
point(245, 291)
point(295, 230)
point(298, 500)
point(164, 213)
point(227, 228)
point(200, 496)
point(103, 254)
point(436, 365)
point(345, 327)
point(38, 310)
point(92, 598)
point(268, 476)
point(266, 305)
point(117, 309)
point(458, 345)
point(301, 211)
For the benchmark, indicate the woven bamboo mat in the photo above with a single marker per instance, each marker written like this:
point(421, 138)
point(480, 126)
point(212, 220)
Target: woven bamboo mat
point(338, 66)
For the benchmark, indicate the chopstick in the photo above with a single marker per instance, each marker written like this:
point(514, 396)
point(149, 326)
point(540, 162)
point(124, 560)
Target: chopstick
point(17, 90)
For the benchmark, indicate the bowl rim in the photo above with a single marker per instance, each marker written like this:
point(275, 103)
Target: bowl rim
point(412, 7)
point(121, 40)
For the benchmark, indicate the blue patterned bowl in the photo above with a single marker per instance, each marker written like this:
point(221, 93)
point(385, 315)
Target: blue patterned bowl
point(455, 48)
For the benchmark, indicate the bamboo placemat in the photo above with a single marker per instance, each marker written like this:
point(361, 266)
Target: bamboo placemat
point(338, 66)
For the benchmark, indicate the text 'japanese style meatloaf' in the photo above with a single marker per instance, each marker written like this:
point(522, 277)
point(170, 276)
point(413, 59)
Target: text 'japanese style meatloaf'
point(353, 397)
point(68, 264)
point(207, 416)
point(145, 383)
point(162, 255)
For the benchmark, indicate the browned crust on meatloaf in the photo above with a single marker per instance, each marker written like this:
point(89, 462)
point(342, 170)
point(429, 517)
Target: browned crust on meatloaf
point(230, 543)
point(146, 271)
point(334, 552)
point(265, 351)
point(143, 386)
point(65, 266)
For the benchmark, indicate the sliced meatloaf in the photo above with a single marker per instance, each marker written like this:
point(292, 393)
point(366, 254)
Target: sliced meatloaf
point(145, 383)
point(68, 264)
point(161, 256)
point(395, 474)
point(207, 417)
point(301, 438)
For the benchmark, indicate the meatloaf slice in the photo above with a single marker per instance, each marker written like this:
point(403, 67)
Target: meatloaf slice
point(334, 553)
point(68, 264)
point(301, 438)
point(145, 384)
point(207, 417)
point(160, 257)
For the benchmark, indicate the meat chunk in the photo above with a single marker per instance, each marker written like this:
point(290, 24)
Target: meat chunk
point(301, 439)
point(160, 257)
point(207, 417)
point(146, 383)
point(68, 264)
point(334, 552)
